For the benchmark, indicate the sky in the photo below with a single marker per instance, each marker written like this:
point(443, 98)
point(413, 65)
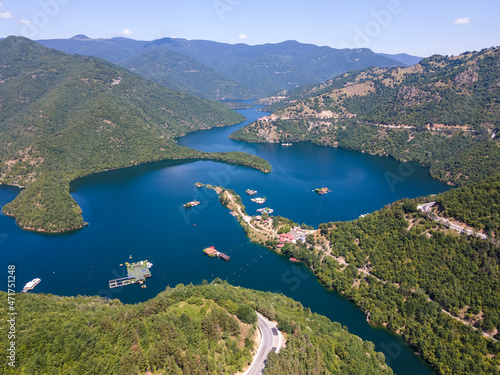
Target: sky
point(416, 27)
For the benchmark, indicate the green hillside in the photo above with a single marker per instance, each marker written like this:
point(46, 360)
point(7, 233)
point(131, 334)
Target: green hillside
point(207, 329)
point(185, 74)
point(476, 205)
point(257, 70)
point(443, 112)
point(438, 288)
point(64, 116)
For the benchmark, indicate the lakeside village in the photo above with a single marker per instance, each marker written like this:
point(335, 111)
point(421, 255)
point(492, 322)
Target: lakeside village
point(263, 228)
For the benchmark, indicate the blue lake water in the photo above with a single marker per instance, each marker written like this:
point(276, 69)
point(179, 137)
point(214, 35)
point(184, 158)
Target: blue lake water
point(138, 211)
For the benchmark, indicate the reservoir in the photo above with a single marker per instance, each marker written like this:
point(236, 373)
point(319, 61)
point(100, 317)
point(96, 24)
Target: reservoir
point(138, 212)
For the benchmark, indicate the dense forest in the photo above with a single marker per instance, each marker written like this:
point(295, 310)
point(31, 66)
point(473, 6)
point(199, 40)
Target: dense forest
point(206, 329)
point(184, 73)
point(67, 116)
point(443, 112)
point(438, 288)
point(477, 205)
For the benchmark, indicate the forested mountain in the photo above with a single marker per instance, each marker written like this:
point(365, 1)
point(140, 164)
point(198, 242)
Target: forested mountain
point(65, 116)
point(185, 74)
point(476, 205)
point(207, 329)
point(443, 112)
point(438, 288)
point(256, 70)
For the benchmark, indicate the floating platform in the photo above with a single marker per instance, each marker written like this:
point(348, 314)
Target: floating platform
point(136, 274)
point(322, 190)
point(212, 253)
point(258, 200)
point(251, 192)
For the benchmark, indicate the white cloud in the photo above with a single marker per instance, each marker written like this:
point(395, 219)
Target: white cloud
point(24, 22)
point(125, 32)
point(462, 21)
point(4, 13)
point(243, 36)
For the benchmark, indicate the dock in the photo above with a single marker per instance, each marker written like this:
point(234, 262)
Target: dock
point(251, 192)
point(136, 274)
point(212, 253)
point(224, 257)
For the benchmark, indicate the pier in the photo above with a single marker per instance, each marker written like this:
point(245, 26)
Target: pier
point(136, 274)
point(212, 253)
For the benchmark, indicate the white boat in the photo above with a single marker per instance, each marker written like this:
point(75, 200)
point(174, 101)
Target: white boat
point(30, 285)
point(258, 200)
point(265, 210)
point(286, 144)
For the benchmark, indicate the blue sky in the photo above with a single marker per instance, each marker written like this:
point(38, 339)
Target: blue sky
point(418, 27)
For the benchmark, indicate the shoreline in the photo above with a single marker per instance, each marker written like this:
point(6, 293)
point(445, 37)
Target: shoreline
point(250, 229)
point(219, 157)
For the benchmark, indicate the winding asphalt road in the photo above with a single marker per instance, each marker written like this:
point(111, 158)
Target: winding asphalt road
point(271, 340)
point(427, 208)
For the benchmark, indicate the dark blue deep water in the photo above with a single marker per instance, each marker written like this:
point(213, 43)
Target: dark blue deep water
point(138, 211)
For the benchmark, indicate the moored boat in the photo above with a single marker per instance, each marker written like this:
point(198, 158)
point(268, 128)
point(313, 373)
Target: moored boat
point(30, 285)
point(258, 200)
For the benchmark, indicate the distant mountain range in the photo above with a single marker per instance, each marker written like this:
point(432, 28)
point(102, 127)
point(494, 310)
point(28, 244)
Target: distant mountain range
point(228, 71)
point(403, 58)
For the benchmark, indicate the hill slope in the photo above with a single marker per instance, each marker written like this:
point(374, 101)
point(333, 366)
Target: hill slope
point(206, 329)
point(64, 116)
point(443, 112)
point(406, 270)
point(185, 74)
point(262, 69)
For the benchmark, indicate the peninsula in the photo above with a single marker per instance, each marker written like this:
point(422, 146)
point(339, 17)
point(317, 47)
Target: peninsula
point(395, 264)
point(65, 116)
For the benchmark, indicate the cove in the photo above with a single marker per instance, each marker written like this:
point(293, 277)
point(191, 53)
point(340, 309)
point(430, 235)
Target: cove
point(138, 211)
